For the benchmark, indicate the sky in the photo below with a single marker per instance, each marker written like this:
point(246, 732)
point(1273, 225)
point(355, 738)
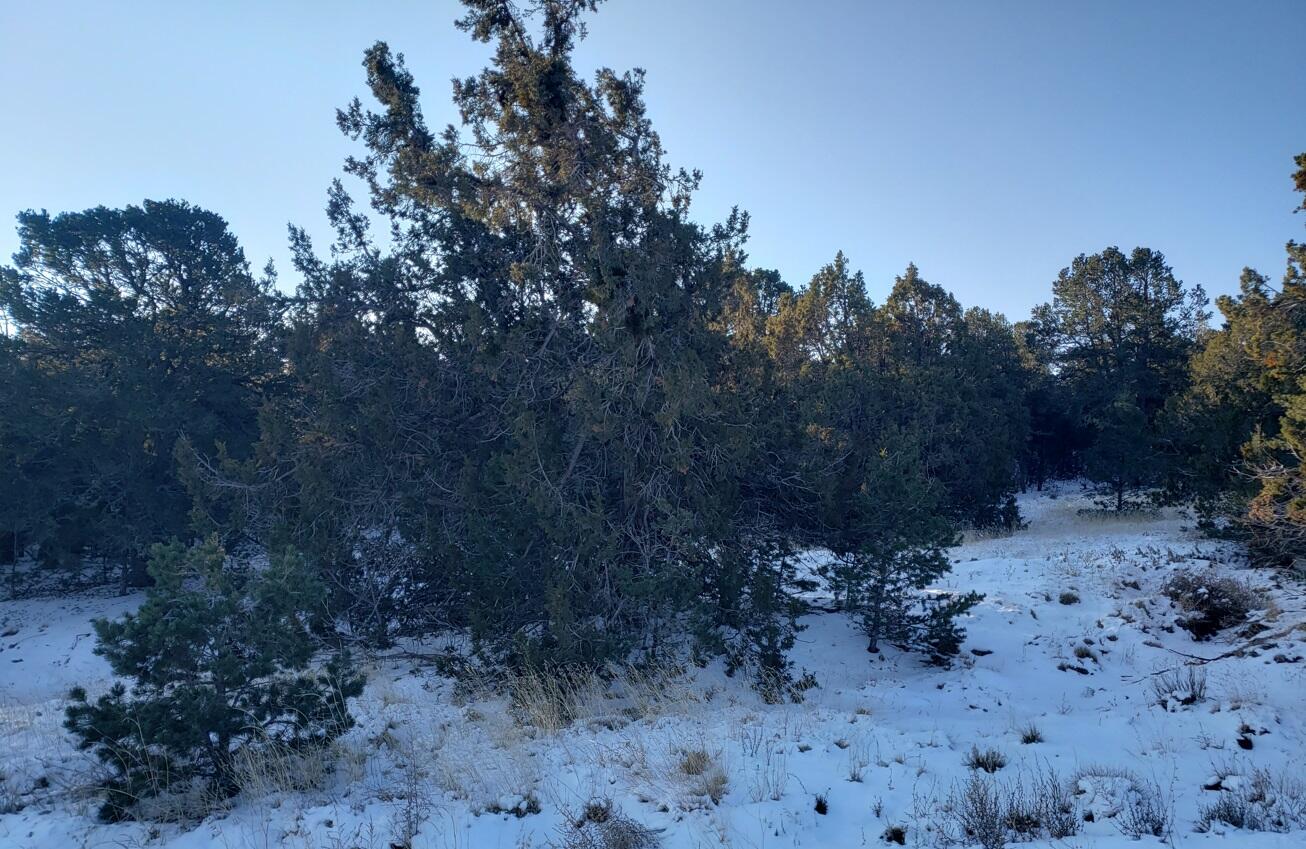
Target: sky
point(987, 142)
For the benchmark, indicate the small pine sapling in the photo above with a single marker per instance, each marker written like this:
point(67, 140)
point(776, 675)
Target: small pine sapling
point(221, 656)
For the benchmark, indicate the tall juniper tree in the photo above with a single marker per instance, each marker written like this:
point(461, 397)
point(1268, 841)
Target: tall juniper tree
point(962, 395)
point(872, 503)
point(527, 389)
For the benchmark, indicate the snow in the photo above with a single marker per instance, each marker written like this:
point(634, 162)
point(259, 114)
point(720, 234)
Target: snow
point(452, 766)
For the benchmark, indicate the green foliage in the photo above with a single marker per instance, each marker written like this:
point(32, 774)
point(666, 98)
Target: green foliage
point(220, 657)
point(134, 327)
point(520, 418)
point(866, 421)
point(1239, 377)
point(1120, 454)
point(1239, 427)
point(1056, 436)
point(561, 415)
point(1117, 335)
point(961, 385)
point(552, 411)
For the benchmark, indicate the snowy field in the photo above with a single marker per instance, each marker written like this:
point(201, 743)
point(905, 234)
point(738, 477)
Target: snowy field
point(1056, 678)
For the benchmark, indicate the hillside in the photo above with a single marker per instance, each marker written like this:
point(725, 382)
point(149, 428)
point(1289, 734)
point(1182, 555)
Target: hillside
point(1066, 648)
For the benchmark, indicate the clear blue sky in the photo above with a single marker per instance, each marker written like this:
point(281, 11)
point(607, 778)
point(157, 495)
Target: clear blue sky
point(989, 142)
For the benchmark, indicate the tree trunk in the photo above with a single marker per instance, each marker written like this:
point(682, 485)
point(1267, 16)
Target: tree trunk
point(13, 570)
point(135, 574)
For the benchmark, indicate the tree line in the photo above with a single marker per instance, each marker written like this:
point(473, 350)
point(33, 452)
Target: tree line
point(550, 409)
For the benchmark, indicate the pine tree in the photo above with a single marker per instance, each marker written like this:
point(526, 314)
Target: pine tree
point(889, 555)
point(1057, 435)
point(220, 657)
point(1120, 329)
point(963, 393)
point(871, 501)
point(1120, 455)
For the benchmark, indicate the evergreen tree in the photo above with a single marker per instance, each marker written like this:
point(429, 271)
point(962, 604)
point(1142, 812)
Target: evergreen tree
point(528, 394)
point(962, 394)
point(1239, 375)
point(1121, 329)
point(219, 656)
point(871, 502)
point(1239, 426)
point(29, 460)
point(890, 549)
point(1120, 455)
point(1056, 436)
point(137, 327)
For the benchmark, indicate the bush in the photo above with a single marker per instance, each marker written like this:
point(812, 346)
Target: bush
point(992, 813)
point(1056, 809)
point(1069, 597)
point(1031, 734)
point(978, 812)
point(1146, 812)
point(1187, 687)
point(1212, 602)
point(220, 657)
point(1261, 803)
point(989, 760)
point(602, 826)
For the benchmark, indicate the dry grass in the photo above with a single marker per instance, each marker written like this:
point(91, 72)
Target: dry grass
point(988, 760)
point(468, 767)
point(274, 768)
point(10, 799)
point(703, 774)
point(1030, 734)
point(1147, 812)
point(770, 777)
point(995, 813)
point(602, 825)
point(1179, 687)
point(859, 758)
point(553, 700)
point(1262, 802)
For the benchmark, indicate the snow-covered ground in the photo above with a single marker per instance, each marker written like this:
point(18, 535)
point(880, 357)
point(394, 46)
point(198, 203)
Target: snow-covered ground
point(704, 762)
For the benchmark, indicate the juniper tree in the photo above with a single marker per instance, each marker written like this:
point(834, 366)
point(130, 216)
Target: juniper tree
point(1239, 426)
point(963, 393)
point(527, 389)
point(140, 325)
point(1238, 375)
point(554, 411)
